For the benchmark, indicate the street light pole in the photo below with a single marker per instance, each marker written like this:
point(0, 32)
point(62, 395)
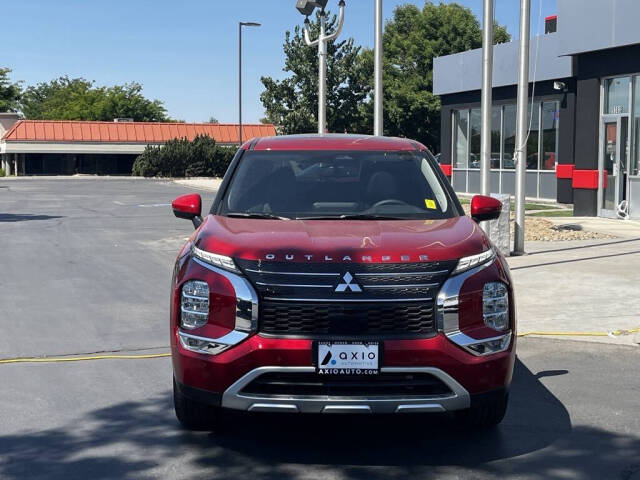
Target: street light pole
point(240, 25)
point(321, 42)
point(378, 121)
point(487, 97)
point(322, 76)
point(522, 125)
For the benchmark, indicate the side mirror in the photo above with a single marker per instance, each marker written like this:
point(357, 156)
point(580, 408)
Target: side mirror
point(189, 207)
point(485, 208)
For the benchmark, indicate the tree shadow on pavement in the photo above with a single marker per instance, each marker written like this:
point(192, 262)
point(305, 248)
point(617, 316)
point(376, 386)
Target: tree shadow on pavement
point(134, 440)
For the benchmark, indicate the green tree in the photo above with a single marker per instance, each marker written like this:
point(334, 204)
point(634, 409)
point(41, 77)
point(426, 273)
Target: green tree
point(80, 99)
point(292, 103)
point(9, 92)
point(412, 39)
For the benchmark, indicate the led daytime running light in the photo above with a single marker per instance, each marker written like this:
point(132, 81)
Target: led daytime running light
point(467, 263)
point(214, 259)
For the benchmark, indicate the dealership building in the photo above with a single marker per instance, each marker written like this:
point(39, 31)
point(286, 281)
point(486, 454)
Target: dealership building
point(44, 147)
point(584, 141)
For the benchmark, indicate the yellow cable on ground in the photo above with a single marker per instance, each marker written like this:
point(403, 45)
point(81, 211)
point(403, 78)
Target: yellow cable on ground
point(615, 333)
point(82, 359)
point(565, 334)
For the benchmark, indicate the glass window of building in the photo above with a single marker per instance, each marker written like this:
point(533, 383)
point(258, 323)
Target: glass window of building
point(476, 127)
point(550, 117)
point(496, 136)
point(532, 142)
point(509, 136)
point(635, 160)
point(617, 95)
point(461, 141)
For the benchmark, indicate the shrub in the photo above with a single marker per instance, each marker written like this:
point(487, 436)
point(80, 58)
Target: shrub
point(1, 172)
point(182, 158)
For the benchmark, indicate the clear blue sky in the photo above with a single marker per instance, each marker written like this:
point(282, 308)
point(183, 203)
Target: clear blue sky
point(183, 52)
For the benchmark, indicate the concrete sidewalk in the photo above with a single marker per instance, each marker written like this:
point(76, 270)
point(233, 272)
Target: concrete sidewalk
point(581, 286)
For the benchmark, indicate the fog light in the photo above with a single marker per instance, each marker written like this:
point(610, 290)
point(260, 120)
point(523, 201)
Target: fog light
point(211, 346)
point(194, 304)
point(202, 345)
point(491, 346)
point(495, 306)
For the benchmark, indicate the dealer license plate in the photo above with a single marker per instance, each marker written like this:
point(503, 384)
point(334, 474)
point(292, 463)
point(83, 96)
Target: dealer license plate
point(348, 358)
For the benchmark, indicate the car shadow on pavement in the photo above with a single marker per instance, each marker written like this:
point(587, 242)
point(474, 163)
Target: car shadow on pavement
point(23, 217)
point(134, 440)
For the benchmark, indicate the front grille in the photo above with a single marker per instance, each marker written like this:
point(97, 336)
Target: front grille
point(362, 319)
point(386, 384)
point(305, 299)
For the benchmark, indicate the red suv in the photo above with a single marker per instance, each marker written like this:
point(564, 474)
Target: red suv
point(339, 274)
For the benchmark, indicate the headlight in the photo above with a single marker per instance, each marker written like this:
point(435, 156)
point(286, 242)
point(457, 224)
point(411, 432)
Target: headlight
point(495, 306)
point(467, 263)
point(194, 303)
point(214, 259)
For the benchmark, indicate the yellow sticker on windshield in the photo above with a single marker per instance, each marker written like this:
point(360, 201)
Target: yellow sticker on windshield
point(431, 204)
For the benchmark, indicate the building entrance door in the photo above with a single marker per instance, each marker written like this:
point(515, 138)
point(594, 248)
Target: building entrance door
point(614, 164)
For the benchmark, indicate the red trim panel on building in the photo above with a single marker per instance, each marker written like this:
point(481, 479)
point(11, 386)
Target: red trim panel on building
point(564, 170)
point(446, 169)
point(587, 179)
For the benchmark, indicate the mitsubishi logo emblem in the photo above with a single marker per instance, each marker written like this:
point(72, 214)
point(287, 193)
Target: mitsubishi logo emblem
point(348, 285)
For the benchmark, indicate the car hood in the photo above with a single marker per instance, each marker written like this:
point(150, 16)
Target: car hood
point(360, 241)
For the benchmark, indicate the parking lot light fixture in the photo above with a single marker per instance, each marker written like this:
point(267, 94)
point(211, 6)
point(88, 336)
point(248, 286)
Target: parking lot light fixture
point(321, 42)
point(240, 25)
point(306, 7)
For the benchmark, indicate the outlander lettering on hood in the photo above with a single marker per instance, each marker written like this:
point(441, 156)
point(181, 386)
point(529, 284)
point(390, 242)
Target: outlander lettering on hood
point(340, 274)
point(309, 257)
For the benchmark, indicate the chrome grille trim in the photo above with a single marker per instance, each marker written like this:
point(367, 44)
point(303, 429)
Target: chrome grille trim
point(421, 274)
point(296, 296)
point(319, 274)
point(352, 300)
point(402, 285)
point(292, 285)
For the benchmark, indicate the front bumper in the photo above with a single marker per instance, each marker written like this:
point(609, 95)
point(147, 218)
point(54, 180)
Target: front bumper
point(236, 399)
point(224, 376)
point(449, 356)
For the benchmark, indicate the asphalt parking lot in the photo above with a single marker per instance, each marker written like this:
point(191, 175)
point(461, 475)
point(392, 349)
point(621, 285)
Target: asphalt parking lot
point(85, 266)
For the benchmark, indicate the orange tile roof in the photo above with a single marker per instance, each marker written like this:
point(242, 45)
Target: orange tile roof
point(129, 132)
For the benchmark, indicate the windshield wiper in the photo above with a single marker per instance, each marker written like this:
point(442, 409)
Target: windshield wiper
point(269, 216)
point(353, 216)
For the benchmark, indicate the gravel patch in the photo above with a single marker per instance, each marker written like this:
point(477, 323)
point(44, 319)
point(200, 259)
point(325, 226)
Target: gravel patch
point(541, 229)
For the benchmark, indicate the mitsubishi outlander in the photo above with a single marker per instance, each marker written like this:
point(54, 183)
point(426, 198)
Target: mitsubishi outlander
point(339, 274)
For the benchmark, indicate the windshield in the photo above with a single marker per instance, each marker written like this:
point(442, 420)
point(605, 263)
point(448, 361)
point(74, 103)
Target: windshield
point(340, 185)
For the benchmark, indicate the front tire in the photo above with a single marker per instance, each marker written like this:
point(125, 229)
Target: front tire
point(194, 415)
point(484, 413)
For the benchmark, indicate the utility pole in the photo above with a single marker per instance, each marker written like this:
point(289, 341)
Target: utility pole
point(487, 97)
point(322, 42)
point(240, 25)
point(522, 125)
point(378, 120)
